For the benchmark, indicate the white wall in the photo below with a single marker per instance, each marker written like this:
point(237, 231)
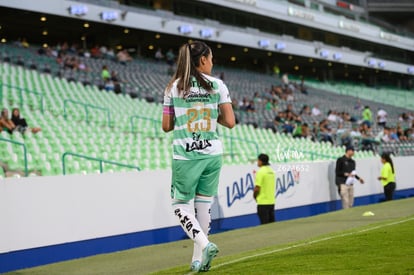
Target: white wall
point(43, 211)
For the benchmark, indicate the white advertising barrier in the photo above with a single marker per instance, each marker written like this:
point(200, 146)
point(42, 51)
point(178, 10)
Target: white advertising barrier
point(43, 211)
point(304, 184)
point(297, 184)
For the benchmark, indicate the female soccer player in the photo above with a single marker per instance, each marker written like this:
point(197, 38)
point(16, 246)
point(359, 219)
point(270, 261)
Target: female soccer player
point(194, 102)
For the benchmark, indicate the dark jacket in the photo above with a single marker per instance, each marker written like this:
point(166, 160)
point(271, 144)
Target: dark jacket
point(343, 165)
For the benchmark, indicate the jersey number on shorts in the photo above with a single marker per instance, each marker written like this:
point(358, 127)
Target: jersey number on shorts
point(195, 126)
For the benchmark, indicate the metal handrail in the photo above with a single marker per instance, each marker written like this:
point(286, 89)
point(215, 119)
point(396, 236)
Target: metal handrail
point(101, 161)
point(86, 107)
point(21, 90)
point(26, 171)
point(154, 121)
point(231, 138)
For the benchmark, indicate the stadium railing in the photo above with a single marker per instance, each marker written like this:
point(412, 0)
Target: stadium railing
point(100, 160)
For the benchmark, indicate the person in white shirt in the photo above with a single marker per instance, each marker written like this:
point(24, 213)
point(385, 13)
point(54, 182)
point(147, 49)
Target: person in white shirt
point(316, 111)
point(381, 117)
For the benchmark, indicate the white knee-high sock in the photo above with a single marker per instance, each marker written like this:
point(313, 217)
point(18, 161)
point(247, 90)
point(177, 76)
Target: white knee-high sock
point(189, 223)
point(202, 207)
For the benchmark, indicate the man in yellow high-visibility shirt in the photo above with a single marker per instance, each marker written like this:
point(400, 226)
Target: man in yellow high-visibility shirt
point(265, 190)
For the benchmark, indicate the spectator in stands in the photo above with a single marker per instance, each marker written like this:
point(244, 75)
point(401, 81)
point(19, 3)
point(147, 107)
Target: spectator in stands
point(401, 133)
point(257, 98)
point(10, 172)
point(367, 116)
point(403, 117)
point(384, 135)
point(123, 57)
point(109, 85)
point(368, 141)
point(243, 104)
point(46, 68)
point(346, 176)
point(289, 122)
point(315, 131)
point(394, 134)
point(117, 82)
point(73, 49)
point(20, 61)
point(387, 177)
point(333, 117)
point(21, 124)
point(305, 110)
point(251, 106)
point(103, 50)
point(305, 131)
point(271, 105)
point(352, 136)
point(70, 62)
point(381, 117)
point(343, 135)
point(110, 54)
point(355, 133)
point(289, 96)
point(345, 116)
point(301, 131)
point(158, 55)
point(105, 75)
point(5, 122)
point(96, 52)
point(325, 131)
point(82, 66)
point(316, 111)
point(63, 48)
point(409, 133)
point(32, 65)
point(302, 88)
point(290, 109)
point(277, 92)
point(280, 119)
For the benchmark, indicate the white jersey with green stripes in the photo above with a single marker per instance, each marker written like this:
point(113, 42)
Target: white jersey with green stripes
point(195, 119)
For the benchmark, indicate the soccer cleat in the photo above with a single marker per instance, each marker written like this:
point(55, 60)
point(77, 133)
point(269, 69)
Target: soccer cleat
point(209, 252)
point(205, 269)
point(195, 266)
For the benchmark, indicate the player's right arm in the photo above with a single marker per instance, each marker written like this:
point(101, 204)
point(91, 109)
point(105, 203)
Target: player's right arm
point(168, 119)
point(168, 113)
